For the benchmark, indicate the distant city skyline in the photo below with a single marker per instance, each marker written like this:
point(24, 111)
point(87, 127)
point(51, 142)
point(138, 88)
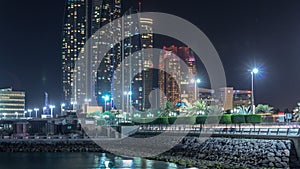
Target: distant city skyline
point(247, 33)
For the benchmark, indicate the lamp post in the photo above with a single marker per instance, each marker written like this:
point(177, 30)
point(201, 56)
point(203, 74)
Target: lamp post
point(36, 110)
point(73, 103)
point(29, 110)
point(4, 114)
point(253, 72)
point(87, 101)
point(44, 110)
point(51, 110)
point(127, 94)
point(106, 98)
point(195, 87)
point(62, 109)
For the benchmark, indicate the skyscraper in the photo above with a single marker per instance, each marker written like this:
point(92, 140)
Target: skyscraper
point(93, 78)
point(174, 80)
point(12, 103)
point(82, 19)
point(74, 38)
point(147, 43)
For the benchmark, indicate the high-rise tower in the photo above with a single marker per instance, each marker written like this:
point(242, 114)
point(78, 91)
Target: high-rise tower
point(91, 79)
point(174, 78)
point(74, 38)
point(82, 19)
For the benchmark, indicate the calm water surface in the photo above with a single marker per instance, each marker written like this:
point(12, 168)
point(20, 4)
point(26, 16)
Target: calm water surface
point(77, 161)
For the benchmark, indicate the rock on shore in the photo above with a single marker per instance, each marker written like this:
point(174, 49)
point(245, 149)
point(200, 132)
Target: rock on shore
point(230, 153)
point(49, 146)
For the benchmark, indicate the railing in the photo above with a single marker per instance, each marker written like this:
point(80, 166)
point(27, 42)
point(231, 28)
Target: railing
point(289, 132)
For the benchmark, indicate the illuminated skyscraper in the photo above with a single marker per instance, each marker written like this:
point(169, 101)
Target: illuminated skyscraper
point(74, 38)
point(12, 103)
point(83, 19)
point(148, 79)
point(129, 68)
point(173, 79)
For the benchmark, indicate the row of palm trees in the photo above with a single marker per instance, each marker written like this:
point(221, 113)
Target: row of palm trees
point(201, 108)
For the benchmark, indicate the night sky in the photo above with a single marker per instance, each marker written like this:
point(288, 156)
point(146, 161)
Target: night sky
point(265, 33)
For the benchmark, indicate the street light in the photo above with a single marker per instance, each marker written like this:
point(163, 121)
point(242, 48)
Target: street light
point(36, 110)
point(16, 113)
point(5, 115)
point(44, 109)
point(127, 94)
point(106, 98)
point(62, 108)
point(73, 103)
point(253, 72)
point(51, 109)
point(87, 101)
point(29, 110)
point(195, 82)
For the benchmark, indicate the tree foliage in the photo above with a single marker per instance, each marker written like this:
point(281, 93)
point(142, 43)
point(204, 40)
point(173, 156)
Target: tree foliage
point(199, 107)
point(214, 110)
point(167, 109)
point(263, 108)
point(244, 109)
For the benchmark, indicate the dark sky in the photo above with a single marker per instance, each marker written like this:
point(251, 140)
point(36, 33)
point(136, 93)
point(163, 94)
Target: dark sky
point(244, 32)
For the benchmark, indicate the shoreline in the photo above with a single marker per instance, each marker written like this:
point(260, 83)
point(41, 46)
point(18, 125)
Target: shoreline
point(190, 152)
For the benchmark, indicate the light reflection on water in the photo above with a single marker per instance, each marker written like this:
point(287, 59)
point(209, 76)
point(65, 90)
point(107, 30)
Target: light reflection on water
point(109, 161)
point(78, 161)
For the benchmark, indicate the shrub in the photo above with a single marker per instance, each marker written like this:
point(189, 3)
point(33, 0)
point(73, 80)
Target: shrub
point(253, 118)
point(144, 121)
point(161, 121)
point(225, 119)
point(172, 120)
point(201, 119)
point(186, 120)
point(213, 119)
point(268, 118)
point(126, 124)
point(238, 119)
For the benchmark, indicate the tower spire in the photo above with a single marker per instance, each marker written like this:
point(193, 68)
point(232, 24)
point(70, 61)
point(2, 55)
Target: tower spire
point(46, 107)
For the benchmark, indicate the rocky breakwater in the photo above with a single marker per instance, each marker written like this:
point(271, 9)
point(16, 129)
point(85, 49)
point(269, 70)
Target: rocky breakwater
point(230, 153)
point(49, 146)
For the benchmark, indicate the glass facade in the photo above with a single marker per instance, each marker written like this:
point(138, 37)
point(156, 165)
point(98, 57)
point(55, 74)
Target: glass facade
point(173, 78)
point(83, 20)
point(12, 103)
point(74, 38)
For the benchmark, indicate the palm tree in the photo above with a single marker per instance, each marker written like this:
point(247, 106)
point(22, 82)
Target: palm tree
point(167, 109)
point(214, 110)
point(297, 115)
point(199, 107)
point(263, 108)
point(244, 109)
